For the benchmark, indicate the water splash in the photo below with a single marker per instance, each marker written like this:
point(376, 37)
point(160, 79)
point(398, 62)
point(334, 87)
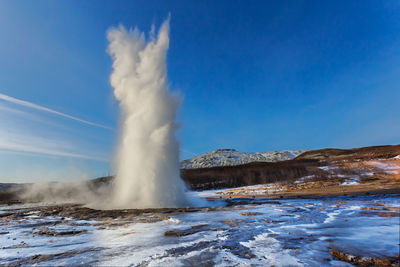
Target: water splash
point(147, 162)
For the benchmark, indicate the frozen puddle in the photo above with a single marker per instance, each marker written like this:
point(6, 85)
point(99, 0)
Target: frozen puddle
point(280, 232)
point(354, 181)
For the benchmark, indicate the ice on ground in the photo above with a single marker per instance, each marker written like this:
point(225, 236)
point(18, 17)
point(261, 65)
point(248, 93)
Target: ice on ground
point(259, 189)
point(326, 168)
point(204, 193)
point(279, 232)
point(354, 181)
point(264, 246)
point(304, 179)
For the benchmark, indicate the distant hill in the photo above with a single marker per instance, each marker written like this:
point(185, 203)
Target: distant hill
point(375, 163)
point(369, 152)
point(231, 157)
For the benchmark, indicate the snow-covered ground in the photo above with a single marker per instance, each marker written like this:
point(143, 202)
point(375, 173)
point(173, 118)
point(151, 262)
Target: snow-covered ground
point(251, 190)
point(388, 167)
point(282, 232)
point(354, 181)
point(230, 157)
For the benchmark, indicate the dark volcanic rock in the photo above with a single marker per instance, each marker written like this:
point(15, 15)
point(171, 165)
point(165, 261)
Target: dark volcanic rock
point(250, 213)
point(35, 259)
point(364, 261)
point(51, 232)
point(233, 222)
point(192, 230)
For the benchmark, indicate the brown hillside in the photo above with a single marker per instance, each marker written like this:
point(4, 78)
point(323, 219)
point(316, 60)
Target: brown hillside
point(288, 171)
point(371, 152)
point(248, 174)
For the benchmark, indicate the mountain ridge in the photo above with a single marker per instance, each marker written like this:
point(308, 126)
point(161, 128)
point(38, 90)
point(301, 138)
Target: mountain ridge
point(232, 157)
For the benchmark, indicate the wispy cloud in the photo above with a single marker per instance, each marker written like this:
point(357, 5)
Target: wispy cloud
point(44, 151)
point(48, 110)
point(31, 144)
point(10, 114)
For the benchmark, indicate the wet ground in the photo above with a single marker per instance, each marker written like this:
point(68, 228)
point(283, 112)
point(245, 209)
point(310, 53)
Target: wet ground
point(259, 231)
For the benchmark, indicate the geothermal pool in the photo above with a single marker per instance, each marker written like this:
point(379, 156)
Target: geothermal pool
point(279, 232)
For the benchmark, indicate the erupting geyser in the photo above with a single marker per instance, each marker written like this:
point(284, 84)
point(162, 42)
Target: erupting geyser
point(147, 163)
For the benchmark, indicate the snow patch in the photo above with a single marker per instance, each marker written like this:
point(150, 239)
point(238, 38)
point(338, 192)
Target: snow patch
point(304, 178)
point(354, 181)
point(387, 167)
point(231, 157)
point(264, 246)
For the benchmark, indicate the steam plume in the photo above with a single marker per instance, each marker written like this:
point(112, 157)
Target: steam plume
point(147, 164)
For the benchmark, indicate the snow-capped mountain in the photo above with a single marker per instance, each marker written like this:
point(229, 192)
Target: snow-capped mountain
point(230, 157)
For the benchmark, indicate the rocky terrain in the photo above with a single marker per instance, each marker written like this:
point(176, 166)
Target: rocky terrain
point(338, 231)
point(231, 157)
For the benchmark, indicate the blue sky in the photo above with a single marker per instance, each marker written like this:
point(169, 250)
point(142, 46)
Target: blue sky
point(254, 76)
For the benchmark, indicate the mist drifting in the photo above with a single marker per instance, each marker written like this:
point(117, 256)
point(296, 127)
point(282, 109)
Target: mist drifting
point(147, 161)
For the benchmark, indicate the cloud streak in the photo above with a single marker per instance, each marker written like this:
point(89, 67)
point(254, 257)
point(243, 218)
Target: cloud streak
point(48, 110)
point(37, 150)
point(17, 143)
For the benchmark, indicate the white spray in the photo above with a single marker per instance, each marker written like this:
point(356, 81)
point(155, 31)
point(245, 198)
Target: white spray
point(147, 163)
